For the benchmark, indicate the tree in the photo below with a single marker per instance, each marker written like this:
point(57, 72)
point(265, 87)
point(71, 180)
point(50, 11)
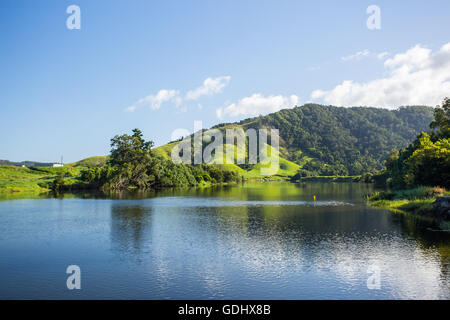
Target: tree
point(130, 149)
point(391, 161)
point(131, 156)
point(441, 122)
point(430, 163)
point(58, 183)
point(133, 165)
point(426, 161)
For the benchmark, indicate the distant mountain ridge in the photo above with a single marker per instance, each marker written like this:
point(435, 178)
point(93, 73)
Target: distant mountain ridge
point(26, 163)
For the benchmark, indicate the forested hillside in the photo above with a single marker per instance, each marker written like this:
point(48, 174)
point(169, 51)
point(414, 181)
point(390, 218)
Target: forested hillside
point(318, 140)
point(327, 140)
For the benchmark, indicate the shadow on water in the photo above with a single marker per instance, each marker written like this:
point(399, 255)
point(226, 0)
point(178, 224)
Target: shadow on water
point(130, 227)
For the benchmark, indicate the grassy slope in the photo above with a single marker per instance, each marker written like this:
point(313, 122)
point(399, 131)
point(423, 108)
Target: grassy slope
point(286, 167)
point(165, 150)
point(97, 161)
point(18, 179)
point(31, 180)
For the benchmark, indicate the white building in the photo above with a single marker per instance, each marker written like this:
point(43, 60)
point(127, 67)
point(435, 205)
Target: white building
point(60, 164)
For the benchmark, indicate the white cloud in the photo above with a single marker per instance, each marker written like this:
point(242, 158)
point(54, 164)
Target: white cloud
point(365, 54)
point(357, 56)
point(178, 101)
point(209, 87)
point(154, 101)
point(382, 55)
point(416, 76)
point(257, 104)
point(414, 57)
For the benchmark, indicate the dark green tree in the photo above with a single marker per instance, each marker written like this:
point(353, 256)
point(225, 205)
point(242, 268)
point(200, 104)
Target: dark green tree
point(426, 161)
point(131, 157)
point(441, 123)
point(127, 149)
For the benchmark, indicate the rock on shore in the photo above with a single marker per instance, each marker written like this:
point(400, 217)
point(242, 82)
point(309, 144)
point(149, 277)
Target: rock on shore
point(442, 206)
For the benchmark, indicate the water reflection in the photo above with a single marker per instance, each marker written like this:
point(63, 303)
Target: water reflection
point(130, 227)
point(260, 241)
point(225, 249)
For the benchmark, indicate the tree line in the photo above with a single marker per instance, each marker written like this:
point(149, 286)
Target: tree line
point(426, 161)
point(133, 165)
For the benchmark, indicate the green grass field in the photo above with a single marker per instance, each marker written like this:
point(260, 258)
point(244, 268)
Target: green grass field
point(19, 179)
point(286, 170)
point(32, 180)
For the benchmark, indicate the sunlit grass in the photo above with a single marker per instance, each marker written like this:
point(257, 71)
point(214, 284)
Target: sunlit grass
point(34, 179)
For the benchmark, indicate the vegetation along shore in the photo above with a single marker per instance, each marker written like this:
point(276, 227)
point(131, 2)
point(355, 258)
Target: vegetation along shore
point(418, 175)
point(317, 143)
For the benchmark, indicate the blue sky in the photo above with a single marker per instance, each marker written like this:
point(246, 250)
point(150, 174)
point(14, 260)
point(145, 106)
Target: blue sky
point(67, 92)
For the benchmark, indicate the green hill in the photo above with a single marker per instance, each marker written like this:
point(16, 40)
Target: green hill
point(326, 140)
point(315, 140)
point(318, 140)
point(92, 162)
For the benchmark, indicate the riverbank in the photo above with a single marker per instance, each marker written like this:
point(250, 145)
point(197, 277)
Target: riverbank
point(27, 180)
point(327, 179)
point(35, 182)
point(429, 202)
point(31, 180)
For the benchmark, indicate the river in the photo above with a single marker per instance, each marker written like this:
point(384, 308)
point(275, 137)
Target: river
point(250, 241)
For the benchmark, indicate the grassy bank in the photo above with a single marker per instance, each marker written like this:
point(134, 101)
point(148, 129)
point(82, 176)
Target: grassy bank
point(419, 201)
point(21, 179)
point(32, 180)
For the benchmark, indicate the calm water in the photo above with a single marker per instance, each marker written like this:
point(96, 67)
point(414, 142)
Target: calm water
point(256, 241)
